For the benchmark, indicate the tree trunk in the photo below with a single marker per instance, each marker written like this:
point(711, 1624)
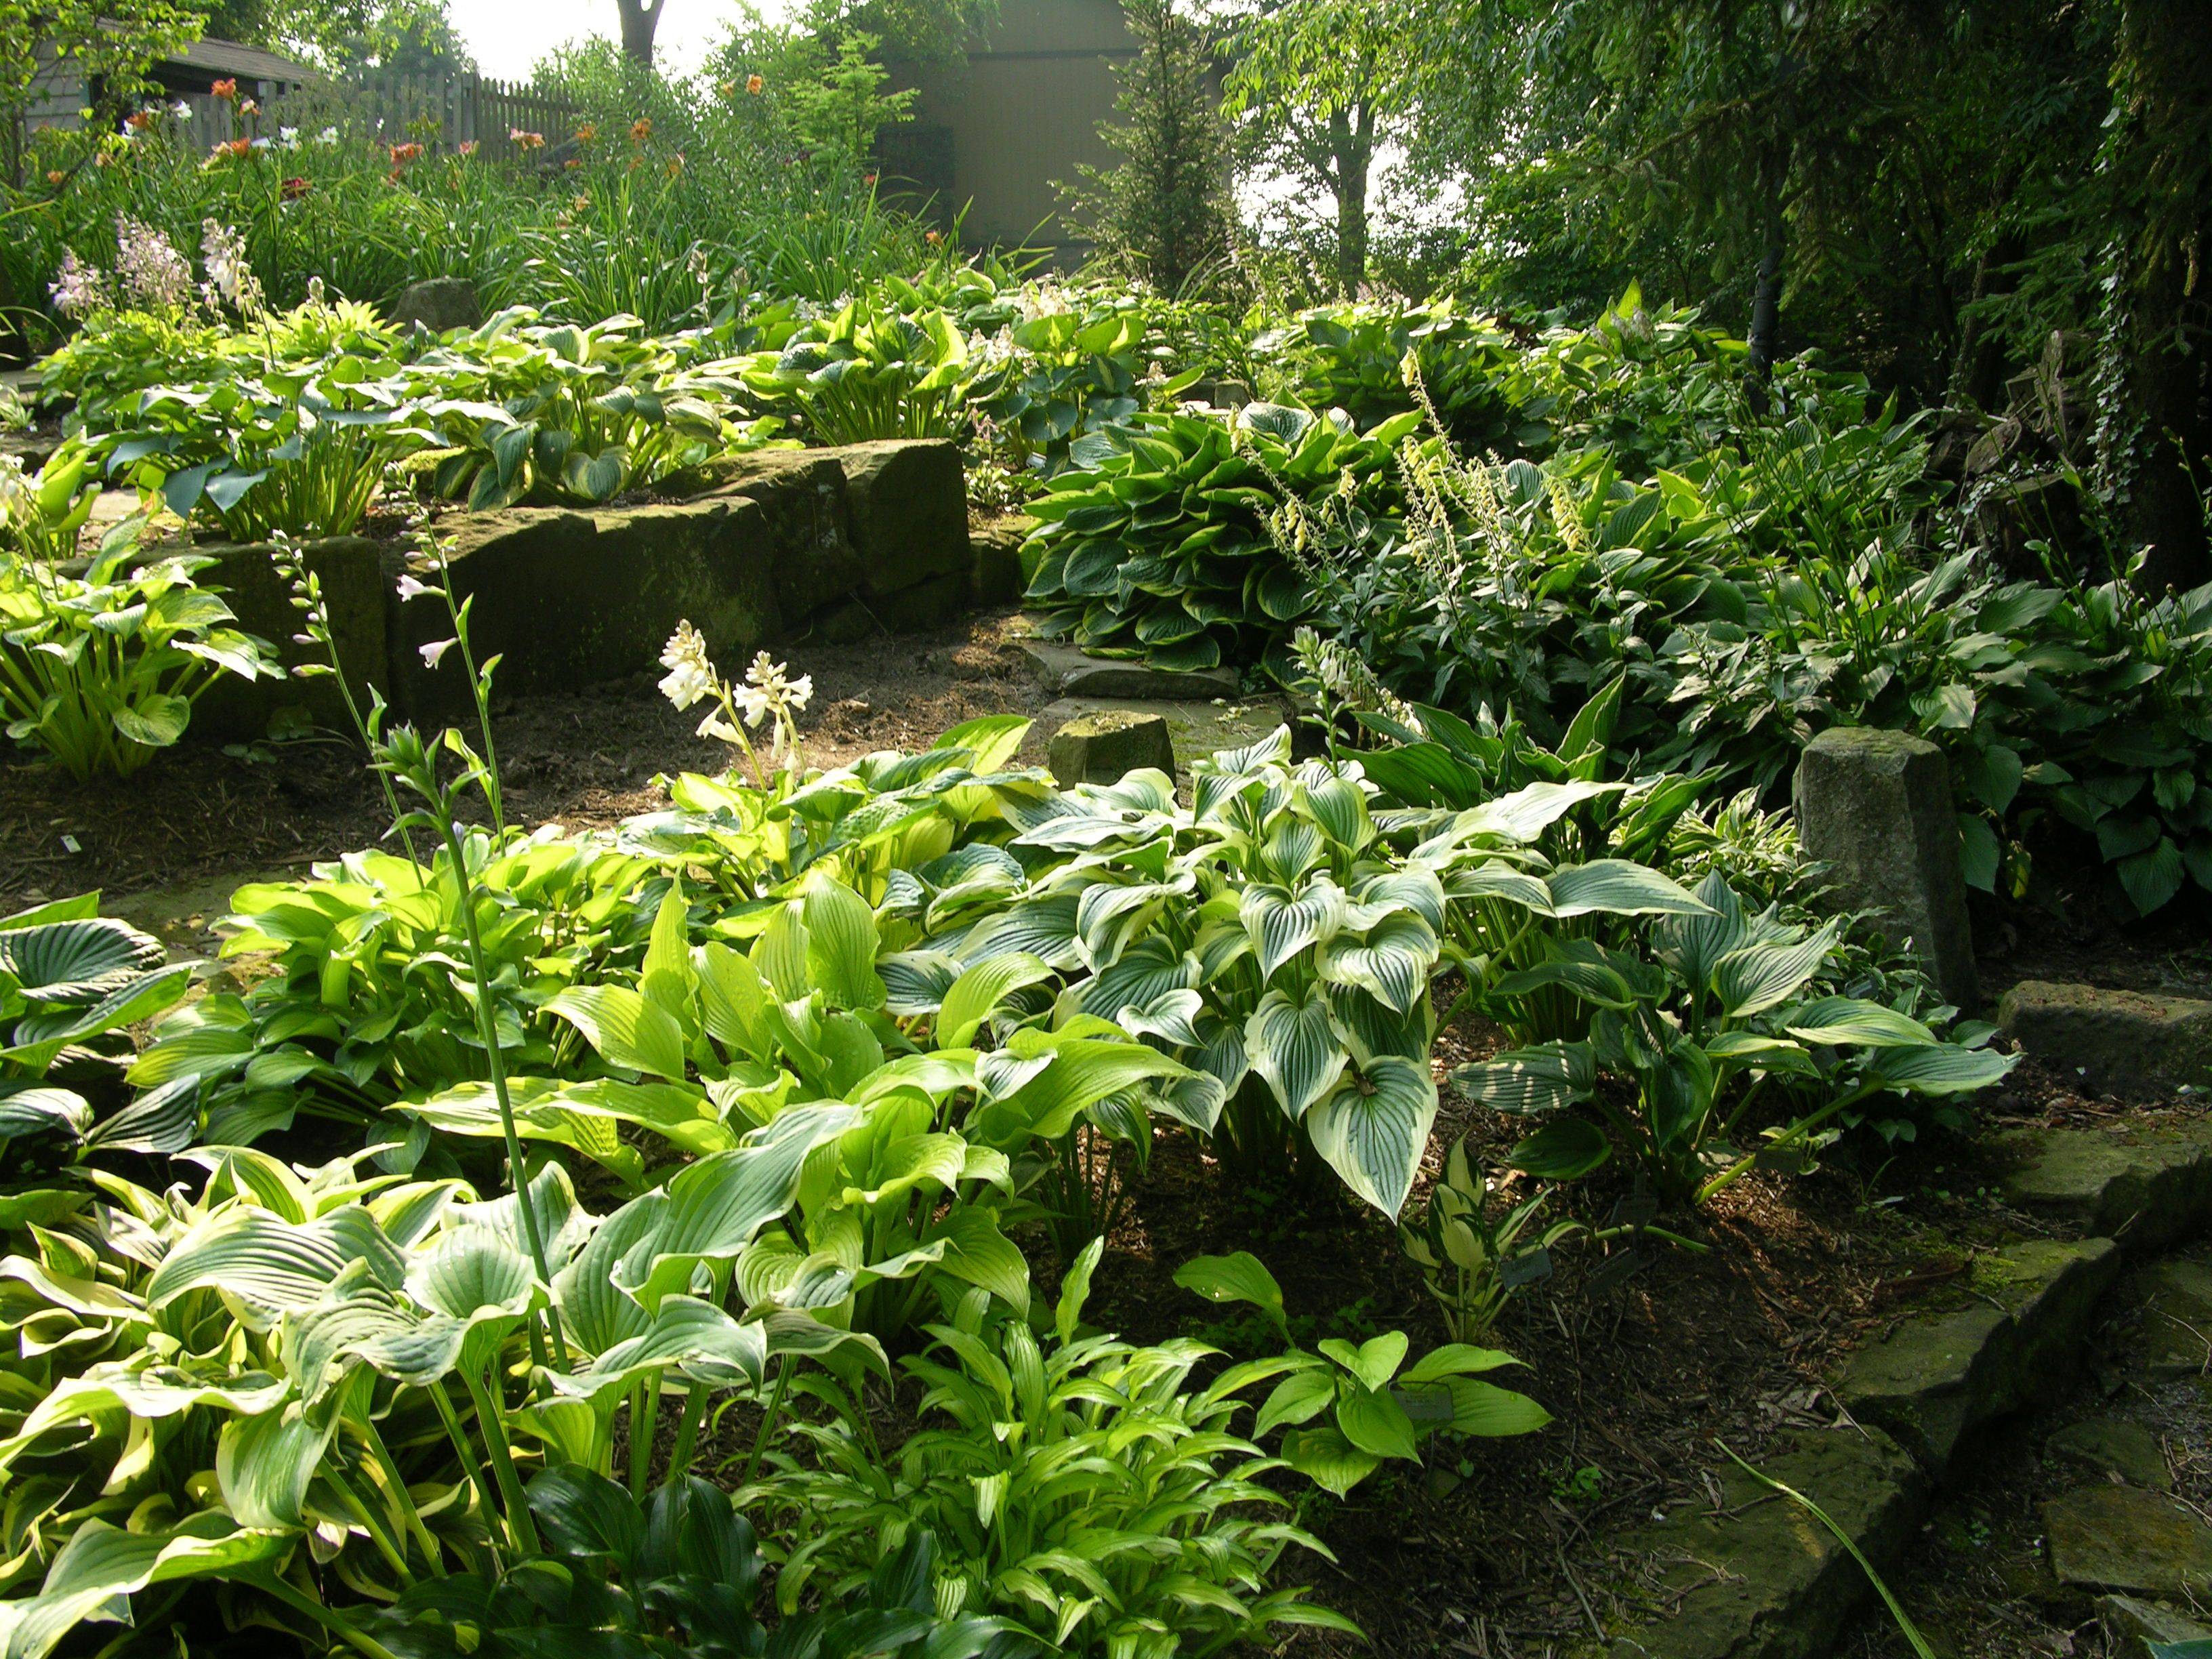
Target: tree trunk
point(1766, 298)
point(1351, 149)
point(640, 18)
point(2165, 77)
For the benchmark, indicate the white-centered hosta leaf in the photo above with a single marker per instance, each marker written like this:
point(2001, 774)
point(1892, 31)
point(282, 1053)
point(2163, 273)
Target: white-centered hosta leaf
point(1292, 1044)
point(1616, 887)
point(1527, 1081)
point(1373, 1126)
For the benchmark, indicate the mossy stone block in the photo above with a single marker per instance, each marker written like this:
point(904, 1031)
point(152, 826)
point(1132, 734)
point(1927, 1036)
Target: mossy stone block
point(1104, 748)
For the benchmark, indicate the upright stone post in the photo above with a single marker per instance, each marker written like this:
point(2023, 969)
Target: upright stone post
point(1875, 807)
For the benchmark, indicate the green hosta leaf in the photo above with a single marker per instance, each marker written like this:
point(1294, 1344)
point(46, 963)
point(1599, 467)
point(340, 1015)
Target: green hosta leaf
point(1299, 1398)
point(627, 1031)
point(1567, 1150)
point(1238, 1278)
point(1944, 1069)
point(31, 1109)
point(1374, 1127)
point(976, 1250)
point(1329, 1459)
point(1374, 1362)
point(1454, 1360)
point(1484, 1409)
point(1851, 1020)
point(1293, 1046)
point(842, 945)
point(2152, 877)
point(1375, 1422)
point(264, 1464)
point(980, 991)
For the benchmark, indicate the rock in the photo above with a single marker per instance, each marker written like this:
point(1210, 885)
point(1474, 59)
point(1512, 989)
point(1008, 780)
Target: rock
point(2116, 1446)
point(809, 530)
point(2148, 1188)
point(1875, 806)
point(2125, 1617)
point(1069, 671)
point(1105, 747)
point(2116, 1537)
point(908, 502)
point(1197, 729)
point(2119, 1041)
point(2175, 1339)
point(1762, 1579)
point(568, 599)
point(351, 569)
point(1934, 1380)
point(438, 304)
point(997, 576)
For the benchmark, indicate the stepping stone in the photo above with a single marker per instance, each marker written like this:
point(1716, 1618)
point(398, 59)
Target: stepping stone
point(2152, 1621)
point(2127, 1041)
point(2113, 1446)
point(1106, 746)
point(1070, 673)
point(1197, 730)
point(2176, 1337)
point(2116, 1537)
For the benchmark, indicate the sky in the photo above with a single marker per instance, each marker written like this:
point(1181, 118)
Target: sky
point(509, 37)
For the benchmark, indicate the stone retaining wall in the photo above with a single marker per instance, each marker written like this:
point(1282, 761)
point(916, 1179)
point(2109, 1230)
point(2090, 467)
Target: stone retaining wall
point(780, 545)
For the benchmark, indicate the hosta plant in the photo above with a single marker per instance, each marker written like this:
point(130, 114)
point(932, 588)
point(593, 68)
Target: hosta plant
point(1076, 1484)
point(101, 670)
point(1689, 1038)
point(1349, 1407)
point(71, 980)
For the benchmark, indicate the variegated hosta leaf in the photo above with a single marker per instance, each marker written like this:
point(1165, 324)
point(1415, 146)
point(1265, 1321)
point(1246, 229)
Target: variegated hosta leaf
point(685, 1333)
point(1369, 1029)
point(1110, 914)
point(1853, 1022)
point(1415, 890)
point(1498, 878)
point(1692, 945)
point(1195, 1101)
point(1525, 1080)
point(915, 981)
point(1338, 805)
point(1293, 1045)
point(146, 1392)
point(1616, 887)
point(265, 1267)
point(1044, 928)
point(1393, 963)
point(1168, 1017)
point(265, 1464)
point(1526, 813)
point(1373, 1128)
point(1148, 971)
point(1291, 848)
point(102, 1565)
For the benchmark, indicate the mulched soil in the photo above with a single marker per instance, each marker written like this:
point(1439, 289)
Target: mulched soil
point(583, 760)
point(1646, 1357)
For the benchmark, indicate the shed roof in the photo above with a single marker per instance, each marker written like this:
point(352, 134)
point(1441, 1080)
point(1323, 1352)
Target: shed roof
point(221, 57)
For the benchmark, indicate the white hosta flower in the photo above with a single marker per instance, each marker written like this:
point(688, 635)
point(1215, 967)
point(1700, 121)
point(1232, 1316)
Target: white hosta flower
point(691, 673)
point(412, 589)
point(435, 654)
point(770, 678)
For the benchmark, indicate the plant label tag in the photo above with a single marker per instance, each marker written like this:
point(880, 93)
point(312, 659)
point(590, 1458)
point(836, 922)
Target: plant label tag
point(1525, 1268)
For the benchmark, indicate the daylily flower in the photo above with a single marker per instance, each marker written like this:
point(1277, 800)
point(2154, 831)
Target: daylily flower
point(754, 84)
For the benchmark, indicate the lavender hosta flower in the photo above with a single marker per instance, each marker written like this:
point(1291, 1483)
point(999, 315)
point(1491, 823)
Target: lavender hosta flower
point(435, 654)
point(412, 589)
point(80, 290)
point(155, 275)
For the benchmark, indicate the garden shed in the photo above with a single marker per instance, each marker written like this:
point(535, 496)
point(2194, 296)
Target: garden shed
point(188, 74)
point(995, 131)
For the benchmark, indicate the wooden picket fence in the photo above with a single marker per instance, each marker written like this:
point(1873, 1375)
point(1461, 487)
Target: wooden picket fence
point(457, 109)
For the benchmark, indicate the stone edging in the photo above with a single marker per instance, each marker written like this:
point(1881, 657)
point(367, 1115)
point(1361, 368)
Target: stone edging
point(1758, 1578)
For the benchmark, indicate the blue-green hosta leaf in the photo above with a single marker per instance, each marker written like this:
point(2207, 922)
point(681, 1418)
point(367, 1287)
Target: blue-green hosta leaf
point(1692, 945)
point(1615, 887)
point(981, 991)
point(1241, 1277)
point(28, 1109)
point(1393, 963)
point(1855, 1022)
point(915, 981)
point(77, 961)
point(1758, 978)
point(1943, 1069)
point(102, 1566)
point(1044, 928)
point(1372, 1129)
point(1529, 1080)
point(1292, 1044)
point(628, 1031)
